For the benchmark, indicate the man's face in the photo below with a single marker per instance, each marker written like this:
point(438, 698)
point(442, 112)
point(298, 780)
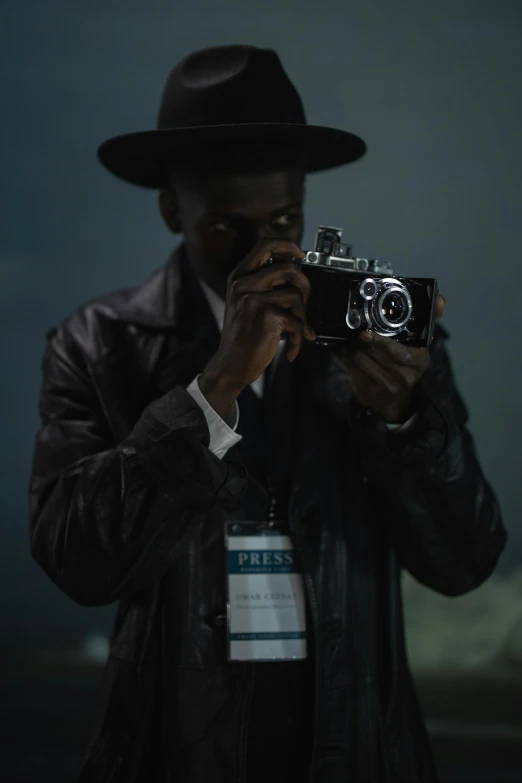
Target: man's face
point(223, 216)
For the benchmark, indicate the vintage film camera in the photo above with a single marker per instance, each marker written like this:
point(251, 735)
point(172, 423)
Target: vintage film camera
point(352, 294)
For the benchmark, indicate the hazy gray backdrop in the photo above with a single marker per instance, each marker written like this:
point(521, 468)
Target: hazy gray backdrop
point(434, 89)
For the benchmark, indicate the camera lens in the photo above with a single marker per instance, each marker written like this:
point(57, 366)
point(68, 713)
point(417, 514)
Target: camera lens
point(394, 307)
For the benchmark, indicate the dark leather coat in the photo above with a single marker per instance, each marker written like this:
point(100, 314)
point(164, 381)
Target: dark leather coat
point(127, 504)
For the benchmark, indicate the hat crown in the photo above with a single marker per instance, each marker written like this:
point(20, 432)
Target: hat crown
point(227, 85)
point(219, 102)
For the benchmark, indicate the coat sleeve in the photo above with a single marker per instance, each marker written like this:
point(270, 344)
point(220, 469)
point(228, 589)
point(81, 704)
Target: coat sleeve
point(107, 519)
point(443, 516)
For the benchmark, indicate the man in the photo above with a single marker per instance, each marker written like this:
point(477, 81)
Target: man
point(198, 398)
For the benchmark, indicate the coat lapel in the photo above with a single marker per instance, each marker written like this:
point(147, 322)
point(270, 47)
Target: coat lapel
point(122, 380)
point(161, 334)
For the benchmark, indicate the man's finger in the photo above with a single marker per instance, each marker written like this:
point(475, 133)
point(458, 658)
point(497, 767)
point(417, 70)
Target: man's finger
point(376, 372)
point(441, 304)
point(275, 275)
point(390, 352)
point(260, 254)
point(286, 299)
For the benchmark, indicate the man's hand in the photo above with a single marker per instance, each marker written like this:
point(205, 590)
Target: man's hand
point(257, 312)
point(385, 373)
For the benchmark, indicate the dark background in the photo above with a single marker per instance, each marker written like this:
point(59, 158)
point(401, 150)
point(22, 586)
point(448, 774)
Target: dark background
point(434, 89)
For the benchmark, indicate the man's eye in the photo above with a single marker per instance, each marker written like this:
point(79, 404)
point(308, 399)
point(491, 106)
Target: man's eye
point(285, 220)
point(219, 226)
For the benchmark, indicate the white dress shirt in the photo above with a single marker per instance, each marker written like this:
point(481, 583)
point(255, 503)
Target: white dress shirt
point(222, 433)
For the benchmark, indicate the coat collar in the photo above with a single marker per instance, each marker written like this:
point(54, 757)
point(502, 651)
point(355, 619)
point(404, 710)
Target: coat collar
point(157, 303)
point(179, 337)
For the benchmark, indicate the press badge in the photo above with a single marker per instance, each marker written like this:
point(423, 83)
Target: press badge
point(265, 590)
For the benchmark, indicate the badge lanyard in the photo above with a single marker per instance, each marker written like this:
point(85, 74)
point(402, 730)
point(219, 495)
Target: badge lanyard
point(266, 608)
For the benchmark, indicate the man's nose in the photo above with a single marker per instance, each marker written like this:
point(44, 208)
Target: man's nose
point(251, 234)
point(266, 231)
point(261, 231)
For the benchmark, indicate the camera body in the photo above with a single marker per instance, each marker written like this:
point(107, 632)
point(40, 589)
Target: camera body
point(350, 295)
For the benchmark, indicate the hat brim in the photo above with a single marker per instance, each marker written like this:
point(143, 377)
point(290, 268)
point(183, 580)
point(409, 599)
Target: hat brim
point(143, 158)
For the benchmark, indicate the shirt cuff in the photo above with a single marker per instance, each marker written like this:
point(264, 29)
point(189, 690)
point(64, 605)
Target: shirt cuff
point(222, 433)
point(407, 425)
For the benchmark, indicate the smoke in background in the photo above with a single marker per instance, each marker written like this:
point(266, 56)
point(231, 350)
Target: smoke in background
point(480, 631)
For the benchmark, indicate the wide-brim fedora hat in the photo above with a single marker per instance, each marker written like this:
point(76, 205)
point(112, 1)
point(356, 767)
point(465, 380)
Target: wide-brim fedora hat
point(220, 97)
